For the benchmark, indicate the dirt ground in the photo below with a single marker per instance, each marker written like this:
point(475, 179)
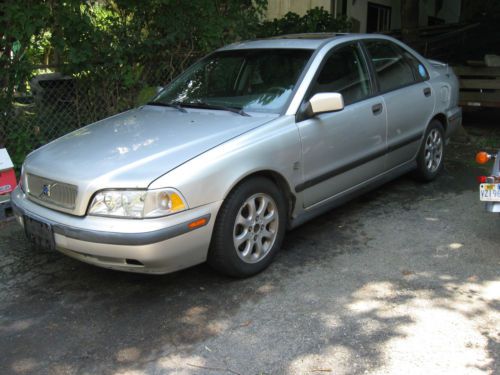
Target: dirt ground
point(404, 280)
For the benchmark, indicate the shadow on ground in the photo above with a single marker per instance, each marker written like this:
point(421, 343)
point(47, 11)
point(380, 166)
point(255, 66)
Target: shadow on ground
point(405, 277)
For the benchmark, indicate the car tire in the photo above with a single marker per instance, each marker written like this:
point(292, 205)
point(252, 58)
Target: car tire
point(249, 229)
point(430, 158)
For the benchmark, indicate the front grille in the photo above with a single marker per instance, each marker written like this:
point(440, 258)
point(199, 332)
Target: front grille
point(52, 192)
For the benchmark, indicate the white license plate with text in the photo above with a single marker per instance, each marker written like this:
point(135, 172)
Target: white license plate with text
point(489, 192)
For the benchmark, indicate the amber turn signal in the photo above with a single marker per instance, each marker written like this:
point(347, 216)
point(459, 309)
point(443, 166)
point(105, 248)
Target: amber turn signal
point(198, 223)
point(482, 157)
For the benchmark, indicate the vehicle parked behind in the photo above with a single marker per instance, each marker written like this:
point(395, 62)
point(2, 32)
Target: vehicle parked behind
point(489, 188)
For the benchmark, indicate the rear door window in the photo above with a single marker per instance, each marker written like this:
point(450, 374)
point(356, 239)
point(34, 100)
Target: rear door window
point(418, 67)
point(393, 66)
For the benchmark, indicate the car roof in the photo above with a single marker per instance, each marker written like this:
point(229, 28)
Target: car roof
point(310, 41)
point(299, 41)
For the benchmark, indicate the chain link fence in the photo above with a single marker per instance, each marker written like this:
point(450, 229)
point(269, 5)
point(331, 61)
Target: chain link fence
point(53, 104)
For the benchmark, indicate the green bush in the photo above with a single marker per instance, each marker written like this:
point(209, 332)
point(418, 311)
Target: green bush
point(316, 20)
point(117, 52)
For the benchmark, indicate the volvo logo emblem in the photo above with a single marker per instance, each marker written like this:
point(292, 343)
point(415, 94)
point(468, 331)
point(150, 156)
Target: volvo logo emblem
point(45, 191)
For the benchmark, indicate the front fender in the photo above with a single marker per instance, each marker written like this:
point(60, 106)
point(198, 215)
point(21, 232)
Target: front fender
point(210, 176)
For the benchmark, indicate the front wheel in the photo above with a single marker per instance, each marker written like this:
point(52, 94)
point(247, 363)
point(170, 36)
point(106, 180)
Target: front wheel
point(430, 159)
point(249, 229)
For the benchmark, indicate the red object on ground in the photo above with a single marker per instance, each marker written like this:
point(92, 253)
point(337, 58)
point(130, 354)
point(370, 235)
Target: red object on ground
point(7, 181)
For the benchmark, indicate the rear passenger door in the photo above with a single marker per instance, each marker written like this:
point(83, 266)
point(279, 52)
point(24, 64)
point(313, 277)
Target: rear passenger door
point(408, 98)
point(342, 149)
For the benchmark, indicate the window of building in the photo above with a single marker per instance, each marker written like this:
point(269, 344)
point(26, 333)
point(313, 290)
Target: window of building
point(378, 18)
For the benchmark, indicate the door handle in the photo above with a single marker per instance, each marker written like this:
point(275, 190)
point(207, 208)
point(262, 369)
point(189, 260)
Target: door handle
point(427, 91)
point(377, 108)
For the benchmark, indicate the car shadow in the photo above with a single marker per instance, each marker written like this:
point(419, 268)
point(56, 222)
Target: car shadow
point(342, 294)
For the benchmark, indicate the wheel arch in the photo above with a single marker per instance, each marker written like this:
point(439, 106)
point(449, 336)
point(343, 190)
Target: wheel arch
point(441, 117)
point(278, 179)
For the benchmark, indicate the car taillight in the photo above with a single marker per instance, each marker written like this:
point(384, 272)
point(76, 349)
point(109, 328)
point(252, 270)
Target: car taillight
point(488, 179)
point(481, 179)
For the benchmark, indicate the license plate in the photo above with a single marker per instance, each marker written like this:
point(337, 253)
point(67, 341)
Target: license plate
point(489, 192)
point(39, 233)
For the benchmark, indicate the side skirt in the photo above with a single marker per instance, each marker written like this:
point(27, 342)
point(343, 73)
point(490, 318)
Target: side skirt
point(344, 197)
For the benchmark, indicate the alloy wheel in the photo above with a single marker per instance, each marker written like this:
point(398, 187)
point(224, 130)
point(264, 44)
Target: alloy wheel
point(433, 150)
point(256, 228)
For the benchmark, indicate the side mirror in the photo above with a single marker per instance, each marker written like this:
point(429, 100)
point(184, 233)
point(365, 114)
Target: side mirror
point(326, 102)
point(320, 103)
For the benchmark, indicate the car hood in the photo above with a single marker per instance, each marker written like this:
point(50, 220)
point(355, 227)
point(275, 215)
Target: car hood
point(133, 148)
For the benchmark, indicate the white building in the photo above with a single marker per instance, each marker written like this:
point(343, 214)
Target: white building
point(372, 15)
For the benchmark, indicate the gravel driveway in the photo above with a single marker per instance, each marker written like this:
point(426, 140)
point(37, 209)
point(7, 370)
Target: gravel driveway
point(404, 280)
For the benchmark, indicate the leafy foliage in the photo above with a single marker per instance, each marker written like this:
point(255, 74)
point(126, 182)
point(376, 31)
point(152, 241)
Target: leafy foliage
point(116, 52)
point(20, 26)
point(316, 20)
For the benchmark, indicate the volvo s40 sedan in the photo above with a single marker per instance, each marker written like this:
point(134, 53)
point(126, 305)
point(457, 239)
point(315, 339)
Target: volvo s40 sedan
point(254, 139)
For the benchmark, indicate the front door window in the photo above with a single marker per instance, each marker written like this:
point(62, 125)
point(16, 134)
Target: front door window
point(344, 72)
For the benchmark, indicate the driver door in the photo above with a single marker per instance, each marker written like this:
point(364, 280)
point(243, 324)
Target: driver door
point(340, 150)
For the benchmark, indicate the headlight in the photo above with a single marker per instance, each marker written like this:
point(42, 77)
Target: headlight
point(137, 203)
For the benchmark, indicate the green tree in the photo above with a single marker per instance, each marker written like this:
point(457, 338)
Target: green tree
point(21, 24)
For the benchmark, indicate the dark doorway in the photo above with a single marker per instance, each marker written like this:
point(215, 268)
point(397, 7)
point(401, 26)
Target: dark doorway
point(378, 18)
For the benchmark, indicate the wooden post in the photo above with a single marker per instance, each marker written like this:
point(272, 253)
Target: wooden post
point(409, 20)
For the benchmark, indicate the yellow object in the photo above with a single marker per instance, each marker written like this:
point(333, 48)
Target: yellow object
point(177, 203)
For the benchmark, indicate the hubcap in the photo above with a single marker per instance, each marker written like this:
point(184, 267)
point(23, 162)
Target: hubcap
point(255, 228)
point(433, 150)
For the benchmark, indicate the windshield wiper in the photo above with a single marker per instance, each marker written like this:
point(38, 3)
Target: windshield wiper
point(175, 105)
point(204, 105)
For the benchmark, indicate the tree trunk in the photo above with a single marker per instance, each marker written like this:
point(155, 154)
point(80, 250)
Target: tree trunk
point(409, 20)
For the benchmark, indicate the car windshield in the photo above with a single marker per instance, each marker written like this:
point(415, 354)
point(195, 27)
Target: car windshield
point(248, 80)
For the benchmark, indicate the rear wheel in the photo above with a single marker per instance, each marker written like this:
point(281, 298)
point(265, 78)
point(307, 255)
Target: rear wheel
point(430, 159)
point(249, 229)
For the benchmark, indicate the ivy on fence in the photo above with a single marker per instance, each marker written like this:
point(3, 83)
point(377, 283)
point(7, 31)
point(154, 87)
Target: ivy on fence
point(111, 55)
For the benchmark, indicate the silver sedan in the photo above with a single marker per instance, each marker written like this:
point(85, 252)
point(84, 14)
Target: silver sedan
point(254, 139)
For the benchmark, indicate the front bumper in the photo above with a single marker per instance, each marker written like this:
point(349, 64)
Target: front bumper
point(492, 207)
point(157, 246)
